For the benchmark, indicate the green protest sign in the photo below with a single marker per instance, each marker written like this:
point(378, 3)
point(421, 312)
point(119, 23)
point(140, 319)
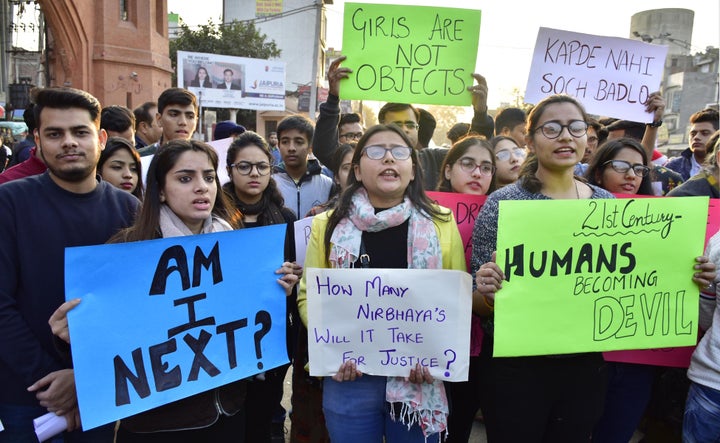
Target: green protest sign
point(410, 54)
point(597, 275)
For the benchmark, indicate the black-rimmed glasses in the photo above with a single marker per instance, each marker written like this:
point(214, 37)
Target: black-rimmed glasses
point(552, 130)
point(623, 167)
point(245, 168)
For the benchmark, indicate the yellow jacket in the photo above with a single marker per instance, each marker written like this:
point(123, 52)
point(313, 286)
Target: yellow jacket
point(451, 245)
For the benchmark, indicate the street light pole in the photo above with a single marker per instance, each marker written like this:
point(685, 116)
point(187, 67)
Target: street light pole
point(316, 53)
point(5, 39)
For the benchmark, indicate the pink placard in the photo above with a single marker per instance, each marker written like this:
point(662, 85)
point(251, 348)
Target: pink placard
point(465, 207)
point(673, 357)
point(713, 223)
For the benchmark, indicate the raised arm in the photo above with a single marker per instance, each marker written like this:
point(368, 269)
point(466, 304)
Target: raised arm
point(656, 105)
point(325, 141)
point(482, 123)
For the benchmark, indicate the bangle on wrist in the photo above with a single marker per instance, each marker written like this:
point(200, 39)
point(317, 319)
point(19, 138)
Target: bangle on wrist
point(490, 306)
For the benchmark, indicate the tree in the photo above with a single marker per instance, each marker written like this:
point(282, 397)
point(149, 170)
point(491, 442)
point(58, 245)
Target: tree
point(240, 39)
point(445, 118)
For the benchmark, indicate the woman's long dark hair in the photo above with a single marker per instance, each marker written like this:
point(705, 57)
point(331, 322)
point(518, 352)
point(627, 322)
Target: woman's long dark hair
point(250, 138)
point(113, 145)
point(457, 151)
point(147, 225)
point(608, 151)
point(414, 191)
point(528, 180)
point(206, 83)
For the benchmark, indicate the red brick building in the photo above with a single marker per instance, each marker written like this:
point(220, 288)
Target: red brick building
point(115, 49)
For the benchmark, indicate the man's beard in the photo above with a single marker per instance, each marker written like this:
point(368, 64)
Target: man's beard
point(73, 175)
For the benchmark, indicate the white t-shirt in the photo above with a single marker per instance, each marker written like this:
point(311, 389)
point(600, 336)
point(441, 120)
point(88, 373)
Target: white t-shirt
point(694, 166)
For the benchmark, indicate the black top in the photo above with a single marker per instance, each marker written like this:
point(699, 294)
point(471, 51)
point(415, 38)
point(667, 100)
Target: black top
point(387, 248)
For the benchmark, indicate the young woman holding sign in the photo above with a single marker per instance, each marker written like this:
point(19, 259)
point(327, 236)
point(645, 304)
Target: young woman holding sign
point(183, 197)
point(546, 398)
point(385, 210)
point(553, 398)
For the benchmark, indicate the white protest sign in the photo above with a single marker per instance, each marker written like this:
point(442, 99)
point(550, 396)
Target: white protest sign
point(611, 76)
point(145, 165)
point(302, 229)
point(388, 320)
point(220, 146)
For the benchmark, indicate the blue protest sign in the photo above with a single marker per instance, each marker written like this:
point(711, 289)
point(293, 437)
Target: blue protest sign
point(165, 319)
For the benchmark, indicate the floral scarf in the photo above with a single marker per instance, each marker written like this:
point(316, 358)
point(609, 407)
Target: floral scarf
point(172, 226)
point(422, 403)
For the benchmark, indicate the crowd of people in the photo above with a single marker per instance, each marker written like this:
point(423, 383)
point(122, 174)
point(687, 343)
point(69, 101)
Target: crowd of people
point(80, 182)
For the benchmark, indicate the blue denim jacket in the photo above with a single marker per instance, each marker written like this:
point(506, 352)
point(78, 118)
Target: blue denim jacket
point(681, 164)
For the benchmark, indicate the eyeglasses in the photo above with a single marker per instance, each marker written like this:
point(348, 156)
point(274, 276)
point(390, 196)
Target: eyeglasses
point(408, 124)
point(468, 165)
point(505, 154)
point(622, 167)
point(352, 135)
point(552, 130)
point(377, 152)
point(245, 168)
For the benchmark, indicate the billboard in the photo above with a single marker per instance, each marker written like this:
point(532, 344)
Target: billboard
point(223, 81)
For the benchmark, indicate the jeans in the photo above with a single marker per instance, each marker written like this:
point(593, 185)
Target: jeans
point(628, 394)
point(18, 423)
point(701, 423)
point(356, 412)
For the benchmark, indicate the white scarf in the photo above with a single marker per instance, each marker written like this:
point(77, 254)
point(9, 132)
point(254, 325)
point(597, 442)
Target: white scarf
point(172, 226)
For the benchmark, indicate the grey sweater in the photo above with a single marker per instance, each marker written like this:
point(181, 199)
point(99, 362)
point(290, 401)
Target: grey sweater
point(705, 364)
point(312, 189)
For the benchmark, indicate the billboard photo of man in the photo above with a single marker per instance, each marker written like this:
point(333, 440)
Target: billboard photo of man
point(228, 81)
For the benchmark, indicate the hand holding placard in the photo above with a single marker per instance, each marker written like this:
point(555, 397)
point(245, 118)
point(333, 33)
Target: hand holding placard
point(387, 321)
point(605, 274)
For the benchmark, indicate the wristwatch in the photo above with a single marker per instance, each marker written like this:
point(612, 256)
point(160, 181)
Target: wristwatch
point(655, 124)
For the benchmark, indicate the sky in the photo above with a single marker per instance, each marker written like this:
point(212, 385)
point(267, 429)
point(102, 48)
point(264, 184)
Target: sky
point(508, 30)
